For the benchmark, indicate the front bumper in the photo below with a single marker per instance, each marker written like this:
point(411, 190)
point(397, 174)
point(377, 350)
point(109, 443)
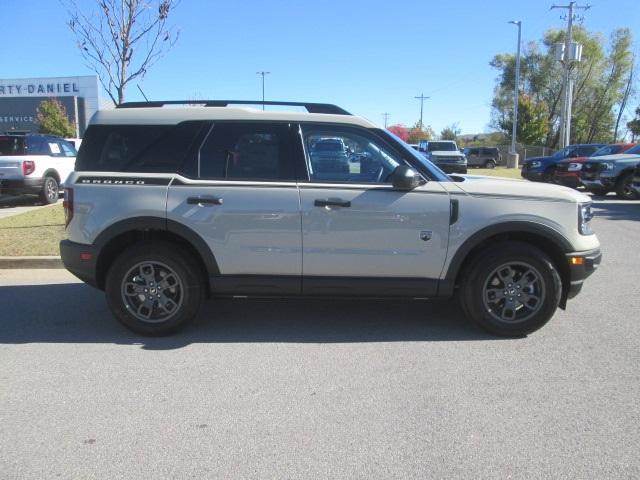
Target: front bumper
point(452, 167)
point(581, 266)
point(80, 260)
point(21, 186)
point(533, 175)
point(568, 179)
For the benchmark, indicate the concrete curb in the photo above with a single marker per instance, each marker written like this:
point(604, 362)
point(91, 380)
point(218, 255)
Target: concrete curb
point(49, 261)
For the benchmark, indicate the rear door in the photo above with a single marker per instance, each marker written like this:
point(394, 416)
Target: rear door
point(240, 196)
point(361, 236)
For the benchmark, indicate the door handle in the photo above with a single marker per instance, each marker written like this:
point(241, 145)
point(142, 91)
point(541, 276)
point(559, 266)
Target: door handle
point(204, 200)
point(332, 202)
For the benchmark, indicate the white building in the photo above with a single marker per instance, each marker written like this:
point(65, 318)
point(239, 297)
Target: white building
point(20, 97)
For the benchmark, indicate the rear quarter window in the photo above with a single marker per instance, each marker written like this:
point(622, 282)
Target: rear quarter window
point(137, 148)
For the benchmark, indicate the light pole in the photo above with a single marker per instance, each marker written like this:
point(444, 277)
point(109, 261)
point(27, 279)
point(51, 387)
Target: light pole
point(386, 117)
point(514, 157)
point(263, 74)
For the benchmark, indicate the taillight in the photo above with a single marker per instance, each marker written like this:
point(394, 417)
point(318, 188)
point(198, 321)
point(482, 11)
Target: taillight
point(67, 204)
point(28, 167)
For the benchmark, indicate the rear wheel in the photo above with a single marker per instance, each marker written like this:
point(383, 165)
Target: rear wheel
point(50, 191)
point(489, 164)
point(154, 288)
point(511, 289)
point(624, 187)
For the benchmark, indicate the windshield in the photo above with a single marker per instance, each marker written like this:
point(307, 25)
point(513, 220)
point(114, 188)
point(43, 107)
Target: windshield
point(634, 151)
point(435, 172)
point(11, 145)
point(607, 150)
point(441, 147)
point(328, 146)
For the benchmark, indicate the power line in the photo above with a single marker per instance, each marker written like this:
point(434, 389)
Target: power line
point(386, 116)
point(422, 98)
point(567, 62)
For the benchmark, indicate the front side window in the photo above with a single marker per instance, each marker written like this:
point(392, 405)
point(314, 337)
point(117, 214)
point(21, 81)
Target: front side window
point(235, 151)
point(68, 149)
point(339, 154)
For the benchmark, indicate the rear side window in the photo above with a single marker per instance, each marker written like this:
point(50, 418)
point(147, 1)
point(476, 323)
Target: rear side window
point(37, 146)
point(138, 148)
point(247, 151)
point(10, 145)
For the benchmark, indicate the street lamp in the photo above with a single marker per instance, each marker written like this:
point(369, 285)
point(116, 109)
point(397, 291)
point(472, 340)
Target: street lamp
point(515, 97)
point(263, 74)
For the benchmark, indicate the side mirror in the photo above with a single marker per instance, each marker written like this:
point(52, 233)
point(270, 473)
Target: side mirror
point(405, 178)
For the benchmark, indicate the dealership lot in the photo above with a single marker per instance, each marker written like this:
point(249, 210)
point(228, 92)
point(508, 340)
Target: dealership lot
point(308, 389)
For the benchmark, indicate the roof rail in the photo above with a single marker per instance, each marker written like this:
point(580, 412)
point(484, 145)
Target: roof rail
point(311, 107)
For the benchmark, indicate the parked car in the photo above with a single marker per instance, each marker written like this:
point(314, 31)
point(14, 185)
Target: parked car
point(485, 157)
point(612, 173)
point(33, 163)
point(542, 169)
point(445, 155)
point(171, 205)
point(329, 156)
point(567, 171)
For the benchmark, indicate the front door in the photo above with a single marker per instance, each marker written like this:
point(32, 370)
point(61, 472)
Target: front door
point(359, 234)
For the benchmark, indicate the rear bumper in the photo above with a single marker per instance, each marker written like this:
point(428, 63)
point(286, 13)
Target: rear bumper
point(21, 185)
point(80, 260)
point(581, 266)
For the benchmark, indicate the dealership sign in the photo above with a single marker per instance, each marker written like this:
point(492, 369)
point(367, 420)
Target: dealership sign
point(39, 89)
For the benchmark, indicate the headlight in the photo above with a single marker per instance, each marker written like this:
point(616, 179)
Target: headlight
point(574, 167)
point(584, 219)
point(607, 165)
point(535, 164)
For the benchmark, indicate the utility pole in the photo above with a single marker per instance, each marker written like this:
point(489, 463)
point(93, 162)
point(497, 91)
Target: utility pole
point(263, 74)
point(386, 116)
point(514, 162)
point(567, 61)
point(422, 98)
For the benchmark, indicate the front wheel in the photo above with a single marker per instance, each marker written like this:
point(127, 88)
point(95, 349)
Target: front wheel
point(50, 191)
point(154, 288)
point(511, 289)
point(624, 188)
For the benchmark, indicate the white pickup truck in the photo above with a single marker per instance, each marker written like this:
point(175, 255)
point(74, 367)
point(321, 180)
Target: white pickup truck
point(35, 164)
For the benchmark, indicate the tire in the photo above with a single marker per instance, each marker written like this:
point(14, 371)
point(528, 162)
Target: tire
point(50, 191)
point(598, 192)
point(490, 164)
point(519, 269)
point(140, 270)
point(624, 189)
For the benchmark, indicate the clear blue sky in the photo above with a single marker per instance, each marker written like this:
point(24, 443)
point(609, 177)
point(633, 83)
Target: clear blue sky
point(367, 56)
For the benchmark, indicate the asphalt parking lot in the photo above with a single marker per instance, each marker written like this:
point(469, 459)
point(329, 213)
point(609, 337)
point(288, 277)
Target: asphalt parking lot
point(323, 389)
point(13, 205)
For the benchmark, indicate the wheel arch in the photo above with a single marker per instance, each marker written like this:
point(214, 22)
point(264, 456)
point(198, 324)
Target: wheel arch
point(550, 241)
point(121, 234)
point(52, 172)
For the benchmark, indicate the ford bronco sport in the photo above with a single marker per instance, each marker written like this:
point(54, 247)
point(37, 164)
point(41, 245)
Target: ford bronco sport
point(171, 205)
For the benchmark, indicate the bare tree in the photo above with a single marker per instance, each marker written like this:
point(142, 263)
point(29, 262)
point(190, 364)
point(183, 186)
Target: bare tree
point(121, 39)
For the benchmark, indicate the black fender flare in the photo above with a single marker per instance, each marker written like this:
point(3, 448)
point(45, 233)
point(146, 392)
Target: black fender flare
point(447, 284)
point(161, 224)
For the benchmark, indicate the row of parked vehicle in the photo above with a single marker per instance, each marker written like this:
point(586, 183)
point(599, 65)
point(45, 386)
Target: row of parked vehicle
point(598, 168)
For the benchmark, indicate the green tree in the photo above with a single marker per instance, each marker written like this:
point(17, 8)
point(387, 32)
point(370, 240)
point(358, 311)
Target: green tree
point(634, 125)
point(600, 81)
point(450, 132)
point(532, 125)
point(52, 119)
